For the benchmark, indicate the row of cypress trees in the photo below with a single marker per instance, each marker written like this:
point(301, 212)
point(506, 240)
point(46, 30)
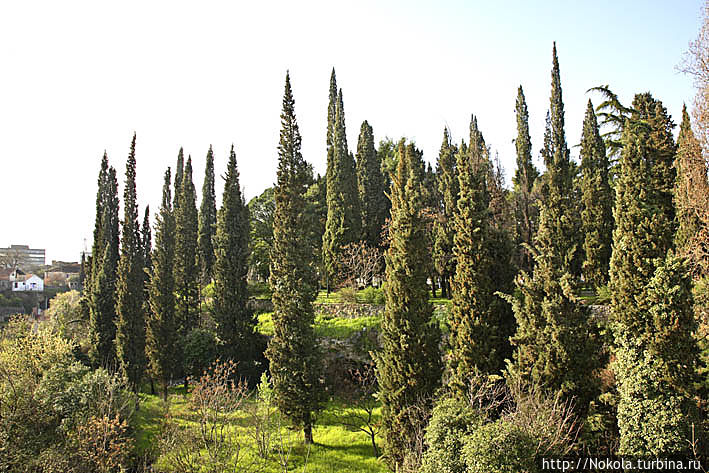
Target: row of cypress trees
point(142, 301)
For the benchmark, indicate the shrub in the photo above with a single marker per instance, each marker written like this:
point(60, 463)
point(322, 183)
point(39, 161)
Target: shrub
point(501, 447)
point(347, 294)
point(200, 351)
point(372, 295)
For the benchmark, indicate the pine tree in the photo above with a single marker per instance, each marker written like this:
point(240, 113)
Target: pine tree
point(186, 272)
point(130, 325)
point(344, 220)
point(101, 293)
point(691, 187)
point(555, 344)
point(597, 203)
point(147, 246)
point(526, 174)
point(161, 335)
point(371, 187)
point(447, 182)
point(292, 351)
point(656, 354)
point(408, 363)
point(235, 321)
point(207, 222)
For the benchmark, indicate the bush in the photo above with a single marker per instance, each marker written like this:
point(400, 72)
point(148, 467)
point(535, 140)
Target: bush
point(603, 295)
point(372, 295)
point(347, 295)
point(501, 447)
point(200, 351)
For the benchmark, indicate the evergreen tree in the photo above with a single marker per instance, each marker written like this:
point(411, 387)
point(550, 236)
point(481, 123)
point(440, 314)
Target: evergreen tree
point(447, 182)
point(292, 351)
point(475, 331)
point(691, 183)
point(555, 344)
point(207, 222)
point(371, 187)
point(101, 293)
point(179, 172)
point(408, 363)
point(161, 336)
point(186, 272)
point(344, 220)
point(526, 211)
point(597, 202)
point(130, 325)
point(656, 355)
point(235, 321)
point(147, 241)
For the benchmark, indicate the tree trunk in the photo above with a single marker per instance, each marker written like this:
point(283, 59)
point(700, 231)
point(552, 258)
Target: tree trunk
point(308, 430)
point(164, 392)
point(152, 386)
point(374, 446)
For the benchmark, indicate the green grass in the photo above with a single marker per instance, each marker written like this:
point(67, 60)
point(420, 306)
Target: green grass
point(336, 448)
point(326, 326)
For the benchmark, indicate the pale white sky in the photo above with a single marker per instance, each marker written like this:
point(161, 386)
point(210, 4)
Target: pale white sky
point(79, 77)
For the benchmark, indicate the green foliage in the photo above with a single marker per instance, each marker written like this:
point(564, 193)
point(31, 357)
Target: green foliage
point(199, 351)
point(555, 344)
point(478, 331)
point(500, 447)
point(101, 287)
point(49, 403)
point(130, 325)
point(234, 319)
point(344, 219)
point(292, 352)
point(447, 183)
point(408, 364)
point(186, 270)
point(347, 294)
point(66, 317)
point(525, 199)
point(161, 330)
point(373, 295)
point(371, 184)
point(597, 203)
point(207, 223)
point(261, 223)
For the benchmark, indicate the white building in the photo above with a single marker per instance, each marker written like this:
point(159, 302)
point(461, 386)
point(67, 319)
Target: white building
point(31, 282)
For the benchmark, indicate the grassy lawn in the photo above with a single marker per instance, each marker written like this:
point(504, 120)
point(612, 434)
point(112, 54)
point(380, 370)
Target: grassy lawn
point(326, 326)
point(336, 448)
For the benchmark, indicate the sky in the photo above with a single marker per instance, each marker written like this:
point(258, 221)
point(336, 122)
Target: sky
point(78, 78)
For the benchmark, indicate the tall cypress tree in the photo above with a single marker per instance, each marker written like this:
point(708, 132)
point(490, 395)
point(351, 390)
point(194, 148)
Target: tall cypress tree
point(597, 203)
point(475, 328)
point(555, 342)
point(234, 319)
point(207, 222)
point(130, 326)
point(161, 335)
point(292, 351)
point(179, 172)
point(102, 290)
point(691, 185)
point(344, 220)
point(447, 182)
point(525, 176)
point(656, 354)
point(371, 187)
point(186, 272)
point(408, 363)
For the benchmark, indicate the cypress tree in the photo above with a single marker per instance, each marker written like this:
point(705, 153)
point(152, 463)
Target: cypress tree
point(656, 354)
point(371, 187)
point(130, 325)
point(179, 172)
point(292, 351)
point(344, 220)
point(186, 272)
point(555, 344)
point(161, 336)
point(526, 174)
point(690, 186)
point(235, 322)
point(147, 241)
point(102, 289)
point(447, 182)
point(475, 347)
point(408, 365)
point(597, 203)
point(207, 222)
